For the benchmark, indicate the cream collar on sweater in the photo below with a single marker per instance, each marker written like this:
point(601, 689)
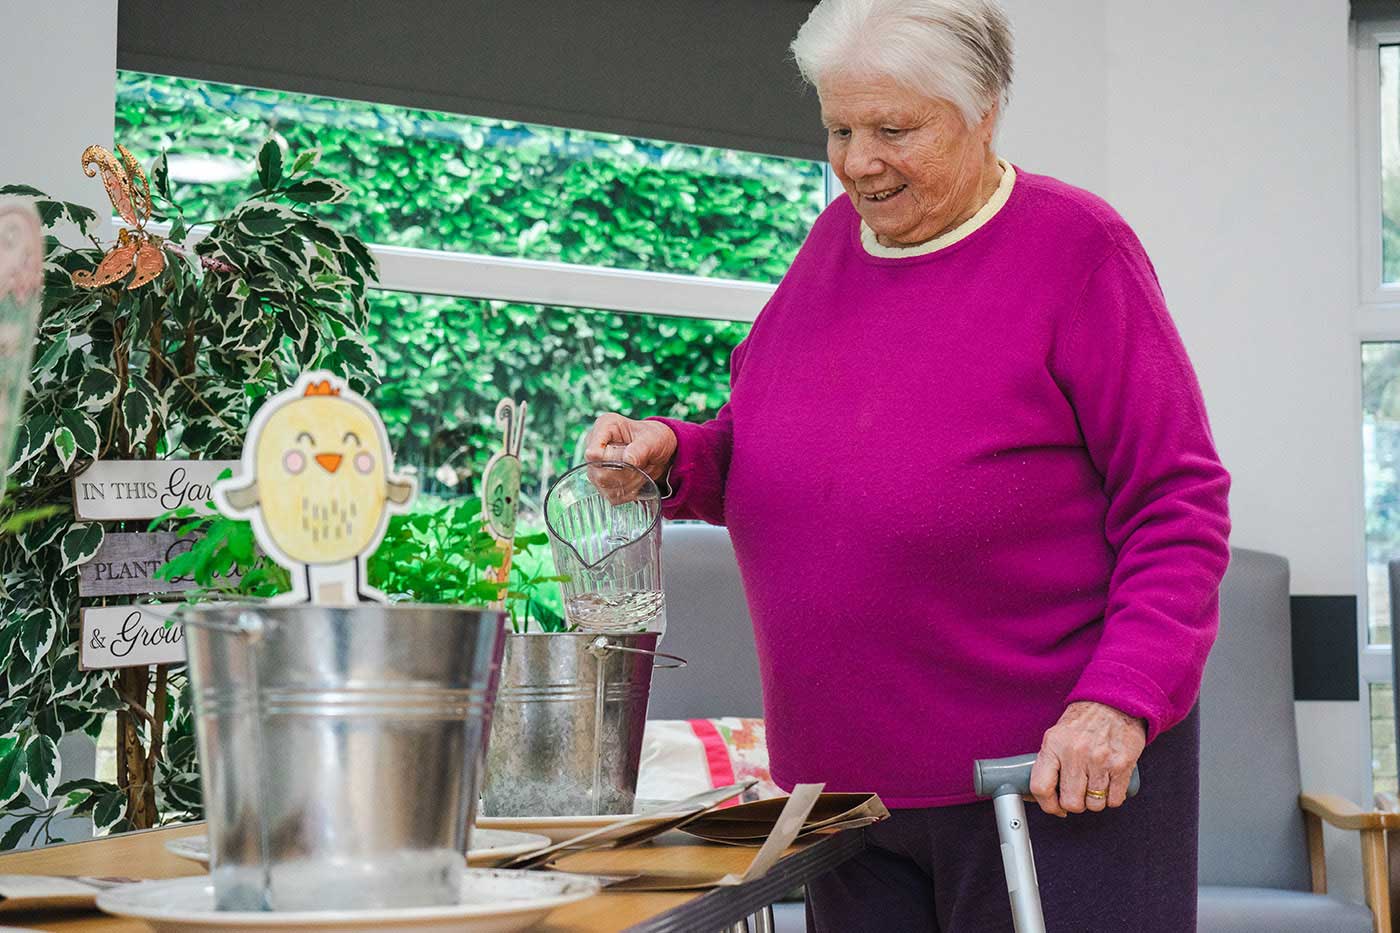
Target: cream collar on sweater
point(984, 214)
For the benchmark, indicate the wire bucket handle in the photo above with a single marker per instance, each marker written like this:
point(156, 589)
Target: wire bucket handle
point(600, 647)
point(248, 625)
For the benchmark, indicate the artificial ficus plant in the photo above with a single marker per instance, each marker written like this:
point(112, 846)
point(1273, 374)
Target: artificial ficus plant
point(173, 368)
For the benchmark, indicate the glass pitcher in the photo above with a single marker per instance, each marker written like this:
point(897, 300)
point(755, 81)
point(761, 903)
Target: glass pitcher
point(604, 524)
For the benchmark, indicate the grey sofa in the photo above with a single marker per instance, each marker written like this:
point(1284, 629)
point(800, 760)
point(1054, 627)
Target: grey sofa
point(1255, 873)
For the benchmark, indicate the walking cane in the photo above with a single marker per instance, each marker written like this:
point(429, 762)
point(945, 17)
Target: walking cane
point(1006, 781)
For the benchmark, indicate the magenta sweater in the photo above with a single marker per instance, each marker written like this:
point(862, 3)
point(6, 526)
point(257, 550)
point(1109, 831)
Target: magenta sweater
point(965, 489)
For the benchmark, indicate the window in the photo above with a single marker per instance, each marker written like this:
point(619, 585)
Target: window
point(1378, 354)
point(447, 361)
point(1380, 438)
point(461, 184)
point(1389, 64)
point(1383, 769)
point(494, 237)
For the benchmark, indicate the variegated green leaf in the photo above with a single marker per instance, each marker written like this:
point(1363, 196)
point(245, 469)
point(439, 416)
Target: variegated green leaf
point(75, 316)
point(199, 436)
point(160, 176)
point(33, 437)
point(97, 388)
point(261, 219)
point(11, 768)
point(322, 235)
point(37, 630)
point(15, 833)
point(84, 431)
point(41, 534)
point(317, 191)
point(108, 810)
point(355, 353)
point(65, 446)
point(46, 366)
point(13, 713)
point(41, 765)
point(270, 165)
point(47, 720)
point(65, 675)
point(363, 256)
point(296, 324)
point(21, 671)
point(139, 408)
point(80, 542)
point(305, 160)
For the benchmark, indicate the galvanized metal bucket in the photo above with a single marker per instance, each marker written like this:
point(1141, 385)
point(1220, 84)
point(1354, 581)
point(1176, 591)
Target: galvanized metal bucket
point(566, 738)
point(340, 749)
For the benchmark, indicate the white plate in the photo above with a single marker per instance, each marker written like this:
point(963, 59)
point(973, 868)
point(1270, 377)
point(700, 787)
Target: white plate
point(488, 846)
point(494, 900)
point(559, 828)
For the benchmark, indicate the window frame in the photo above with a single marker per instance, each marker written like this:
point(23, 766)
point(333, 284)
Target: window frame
point(568, 285)
point(1374, 294)
point(1376, 319)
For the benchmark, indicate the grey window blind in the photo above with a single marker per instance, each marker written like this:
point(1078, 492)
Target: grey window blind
point(709, 72)
point(1375, 9)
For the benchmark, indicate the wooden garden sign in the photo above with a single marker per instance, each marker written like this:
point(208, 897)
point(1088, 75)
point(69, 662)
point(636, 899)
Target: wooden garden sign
point(126, 563)
point(130, 636)
point(110, 490)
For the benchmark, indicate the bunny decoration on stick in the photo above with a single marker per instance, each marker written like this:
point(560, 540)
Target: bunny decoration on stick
point(500, 485)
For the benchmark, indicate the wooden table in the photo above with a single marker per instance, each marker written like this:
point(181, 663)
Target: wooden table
point(143, 855)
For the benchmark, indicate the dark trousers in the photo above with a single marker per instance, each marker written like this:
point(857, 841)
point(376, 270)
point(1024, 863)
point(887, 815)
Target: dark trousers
point(1117, 871)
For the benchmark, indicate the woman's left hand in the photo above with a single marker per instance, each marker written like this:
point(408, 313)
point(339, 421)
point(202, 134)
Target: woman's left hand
point(1092, 748)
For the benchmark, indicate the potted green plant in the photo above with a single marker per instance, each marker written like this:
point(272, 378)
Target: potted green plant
point(439, 554)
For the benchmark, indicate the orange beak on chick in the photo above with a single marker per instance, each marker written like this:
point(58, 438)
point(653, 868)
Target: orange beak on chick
point(330, 462)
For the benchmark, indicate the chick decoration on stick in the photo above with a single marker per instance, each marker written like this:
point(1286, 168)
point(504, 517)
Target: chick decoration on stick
point(500, 485)
point(318, 485)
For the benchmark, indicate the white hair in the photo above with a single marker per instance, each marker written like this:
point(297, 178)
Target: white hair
point(956, 50)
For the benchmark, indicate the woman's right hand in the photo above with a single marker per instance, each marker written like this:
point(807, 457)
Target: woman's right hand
point(647, 445)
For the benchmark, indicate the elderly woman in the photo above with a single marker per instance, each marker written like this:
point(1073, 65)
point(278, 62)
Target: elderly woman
point(967, 471)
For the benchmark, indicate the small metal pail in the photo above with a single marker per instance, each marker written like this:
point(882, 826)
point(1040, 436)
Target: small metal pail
point(340, 750)
point(566, 738)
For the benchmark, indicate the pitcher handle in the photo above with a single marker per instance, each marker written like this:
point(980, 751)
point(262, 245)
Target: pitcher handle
point(601, 646)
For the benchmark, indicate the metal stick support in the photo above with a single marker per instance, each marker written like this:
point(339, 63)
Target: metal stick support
point(1016, 856)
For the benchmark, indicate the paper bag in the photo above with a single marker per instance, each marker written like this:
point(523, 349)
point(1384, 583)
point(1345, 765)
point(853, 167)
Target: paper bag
point(792, 815)
point(750, 824)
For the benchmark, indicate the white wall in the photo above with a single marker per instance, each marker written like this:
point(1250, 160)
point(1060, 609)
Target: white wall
point(58, 69)
point(1223, 133)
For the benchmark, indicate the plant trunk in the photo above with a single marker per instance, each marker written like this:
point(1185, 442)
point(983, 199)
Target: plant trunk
point(134, 771)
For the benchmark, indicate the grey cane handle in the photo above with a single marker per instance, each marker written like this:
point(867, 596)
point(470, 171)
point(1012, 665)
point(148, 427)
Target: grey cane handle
point(993, 777)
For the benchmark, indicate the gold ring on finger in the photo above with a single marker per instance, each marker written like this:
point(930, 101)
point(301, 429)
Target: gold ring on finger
point(1097, 794)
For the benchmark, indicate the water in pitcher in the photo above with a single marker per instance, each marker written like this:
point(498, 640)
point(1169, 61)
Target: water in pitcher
point(616, 612)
